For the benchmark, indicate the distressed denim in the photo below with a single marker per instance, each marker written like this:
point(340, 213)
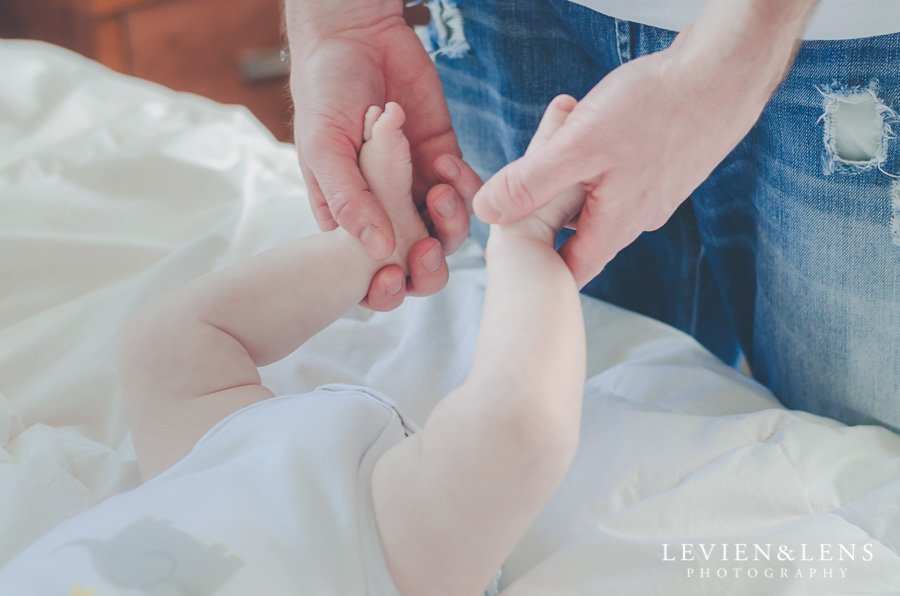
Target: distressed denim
point(789, 253)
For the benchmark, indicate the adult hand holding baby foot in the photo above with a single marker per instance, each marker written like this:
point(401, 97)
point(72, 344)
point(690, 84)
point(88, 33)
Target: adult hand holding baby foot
point(348, 55)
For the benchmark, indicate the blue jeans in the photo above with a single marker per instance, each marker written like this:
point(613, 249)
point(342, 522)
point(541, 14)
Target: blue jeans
point(789, 253)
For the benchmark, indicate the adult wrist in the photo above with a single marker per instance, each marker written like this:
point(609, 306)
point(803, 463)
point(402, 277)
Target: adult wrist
point(749, 40)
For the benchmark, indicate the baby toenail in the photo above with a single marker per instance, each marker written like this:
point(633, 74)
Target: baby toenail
point(431, 260)
point(447, 169)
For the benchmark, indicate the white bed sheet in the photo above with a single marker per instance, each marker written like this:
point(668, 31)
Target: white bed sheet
point(114, 190)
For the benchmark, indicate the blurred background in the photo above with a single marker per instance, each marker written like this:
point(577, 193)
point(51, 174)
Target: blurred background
point(227, 50)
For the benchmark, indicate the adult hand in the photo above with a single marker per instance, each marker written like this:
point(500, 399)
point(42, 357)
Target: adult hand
point(651, 131)
point(346, 56)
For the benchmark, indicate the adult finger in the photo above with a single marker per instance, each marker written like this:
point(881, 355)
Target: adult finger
point(449, 217)
point(317, 202)
point(454, 171)
point(387, 290)
point(428, 272)
point(596, 242)
point(425, 154)
point(352, 206)
point(535, 179)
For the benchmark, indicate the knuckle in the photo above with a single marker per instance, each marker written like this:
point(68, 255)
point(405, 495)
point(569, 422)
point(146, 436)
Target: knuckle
point(342, 207)
point(323, 216)
point(517, 193)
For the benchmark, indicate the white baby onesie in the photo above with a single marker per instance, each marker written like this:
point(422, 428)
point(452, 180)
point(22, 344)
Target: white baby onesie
point(275, 499)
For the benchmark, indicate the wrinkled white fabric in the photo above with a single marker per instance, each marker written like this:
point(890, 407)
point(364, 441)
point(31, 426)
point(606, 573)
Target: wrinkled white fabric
point(831, 19)
point(113, 190)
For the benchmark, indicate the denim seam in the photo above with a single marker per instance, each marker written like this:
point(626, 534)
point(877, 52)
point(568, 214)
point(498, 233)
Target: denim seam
point(623, 41)
point(895, 212)
point(689, 311)
point(695, 314)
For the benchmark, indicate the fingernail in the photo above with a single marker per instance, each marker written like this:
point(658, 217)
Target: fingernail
point(567, 103)
point(431, 260)
point(489, 208)
point(374, 241)
point(446, 205)
point(393, 287)
point(447, 169)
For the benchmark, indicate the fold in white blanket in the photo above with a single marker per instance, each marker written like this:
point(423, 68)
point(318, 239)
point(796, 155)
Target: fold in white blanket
point(690, 478)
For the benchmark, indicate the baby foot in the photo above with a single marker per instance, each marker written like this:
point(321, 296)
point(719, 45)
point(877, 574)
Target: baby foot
point(552, 217)
point(385, 163)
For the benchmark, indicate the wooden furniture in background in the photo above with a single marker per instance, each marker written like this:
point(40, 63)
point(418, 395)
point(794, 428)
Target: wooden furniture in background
point(188, 45)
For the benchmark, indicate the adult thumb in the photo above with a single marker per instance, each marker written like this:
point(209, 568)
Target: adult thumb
point(527, 184)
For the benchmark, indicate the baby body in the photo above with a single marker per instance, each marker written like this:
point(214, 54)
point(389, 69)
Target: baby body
point(332, 492)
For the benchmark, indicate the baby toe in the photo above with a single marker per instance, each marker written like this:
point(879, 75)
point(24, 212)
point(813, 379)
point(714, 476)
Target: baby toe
point(372, 115)
point(390, 120)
